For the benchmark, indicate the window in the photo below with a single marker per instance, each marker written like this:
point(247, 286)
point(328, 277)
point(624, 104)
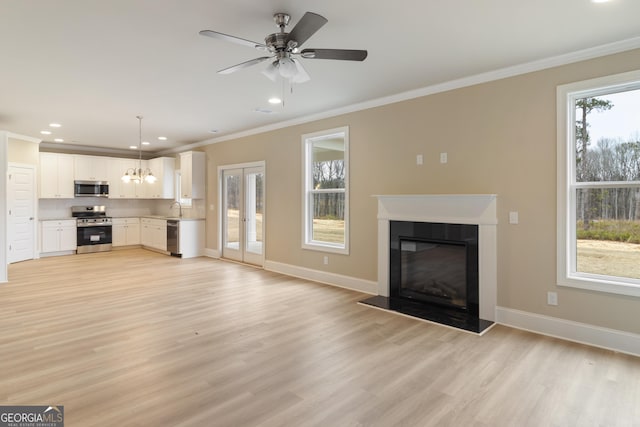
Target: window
point(599, 184)
point(326, 190)
point(186, 203)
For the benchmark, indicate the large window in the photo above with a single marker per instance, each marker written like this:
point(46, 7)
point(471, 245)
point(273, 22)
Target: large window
point(599, 184)
point(326, 190)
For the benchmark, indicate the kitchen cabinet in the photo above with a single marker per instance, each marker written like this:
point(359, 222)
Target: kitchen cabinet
point(56, 176)
point(153, 233)
point(58, 235)
point(124, 190)
point(163, 168)
point(191, 238)
point(90, 168)
point(125, 231)
point(192, 181)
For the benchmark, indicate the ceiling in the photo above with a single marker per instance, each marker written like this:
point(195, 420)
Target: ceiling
point(94, 65)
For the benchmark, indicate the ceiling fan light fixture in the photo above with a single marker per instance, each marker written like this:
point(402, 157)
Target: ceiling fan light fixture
point(287, 68)
point(301, 74)
point(271, 71)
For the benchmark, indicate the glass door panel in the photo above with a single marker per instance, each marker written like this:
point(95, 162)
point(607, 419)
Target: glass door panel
point(254, 213)
point(232, 220)
point(243, 214)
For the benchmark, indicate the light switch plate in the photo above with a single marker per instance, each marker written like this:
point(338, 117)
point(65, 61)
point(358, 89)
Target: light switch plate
point(513, 217)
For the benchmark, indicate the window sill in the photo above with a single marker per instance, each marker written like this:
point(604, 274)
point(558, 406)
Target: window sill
point(593, 282)
point(326, 248)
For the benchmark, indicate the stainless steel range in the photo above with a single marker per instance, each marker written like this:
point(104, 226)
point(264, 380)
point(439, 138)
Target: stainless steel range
point(94, 229)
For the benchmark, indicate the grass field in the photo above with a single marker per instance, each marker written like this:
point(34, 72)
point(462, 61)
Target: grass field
point(609, 258)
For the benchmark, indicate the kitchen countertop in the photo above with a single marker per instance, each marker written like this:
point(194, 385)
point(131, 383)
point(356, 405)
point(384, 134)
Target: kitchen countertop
point(171, 218)
point(130, 216)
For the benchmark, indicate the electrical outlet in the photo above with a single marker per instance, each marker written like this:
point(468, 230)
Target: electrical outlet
point(325, 260)
point(552, 298)
point(443, 158)
point(419, 159)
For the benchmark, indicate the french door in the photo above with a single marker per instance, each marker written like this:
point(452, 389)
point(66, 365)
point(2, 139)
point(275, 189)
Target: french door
point(243, 205)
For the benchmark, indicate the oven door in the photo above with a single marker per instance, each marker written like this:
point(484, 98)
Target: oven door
point(93, 238)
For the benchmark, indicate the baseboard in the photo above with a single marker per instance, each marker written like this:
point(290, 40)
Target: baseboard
point(211, 253)
point(610, 339)
point(347, 282)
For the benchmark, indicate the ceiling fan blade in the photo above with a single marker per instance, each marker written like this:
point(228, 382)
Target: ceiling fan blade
point(245, 64)
point(340, 54)
point(233, 39)
point(306, 27)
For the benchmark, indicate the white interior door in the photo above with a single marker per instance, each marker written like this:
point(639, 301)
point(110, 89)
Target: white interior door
point(21, 213)
point(243, 204)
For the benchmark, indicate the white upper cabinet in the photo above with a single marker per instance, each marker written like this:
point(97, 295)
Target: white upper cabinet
point(192, 167)
point(117, 188)
point(91, 168)
point(163, 169)
point(56, 176)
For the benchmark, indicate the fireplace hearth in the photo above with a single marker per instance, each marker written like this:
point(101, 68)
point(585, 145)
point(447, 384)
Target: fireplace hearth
point(437, 258)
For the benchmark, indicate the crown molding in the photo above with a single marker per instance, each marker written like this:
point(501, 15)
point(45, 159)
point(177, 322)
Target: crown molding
point(499, 74)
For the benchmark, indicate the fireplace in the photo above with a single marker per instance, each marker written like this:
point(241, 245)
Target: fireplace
point(437, 258)
point(435, 263)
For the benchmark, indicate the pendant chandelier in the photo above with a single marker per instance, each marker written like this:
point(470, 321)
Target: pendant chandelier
point(138, 175)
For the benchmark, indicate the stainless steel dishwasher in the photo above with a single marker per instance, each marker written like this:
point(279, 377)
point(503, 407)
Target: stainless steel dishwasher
point(173, 237)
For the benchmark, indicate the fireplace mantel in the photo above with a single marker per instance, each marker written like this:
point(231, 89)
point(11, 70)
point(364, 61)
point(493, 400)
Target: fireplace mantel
point(478, 209)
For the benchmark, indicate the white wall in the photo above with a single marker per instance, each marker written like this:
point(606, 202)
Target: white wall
point(4, 141)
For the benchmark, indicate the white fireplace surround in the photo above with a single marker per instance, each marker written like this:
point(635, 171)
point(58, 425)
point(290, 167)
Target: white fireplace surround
point(476, 209)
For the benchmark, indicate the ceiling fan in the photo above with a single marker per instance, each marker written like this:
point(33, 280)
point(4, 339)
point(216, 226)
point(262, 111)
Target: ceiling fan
point(283, 46)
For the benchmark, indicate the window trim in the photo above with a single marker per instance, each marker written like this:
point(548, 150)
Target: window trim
point(566, 96)
point(185, 203)
point(307, 178)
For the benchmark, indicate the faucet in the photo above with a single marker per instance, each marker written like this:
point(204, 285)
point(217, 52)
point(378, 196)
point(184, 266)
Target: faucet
point(179, 205)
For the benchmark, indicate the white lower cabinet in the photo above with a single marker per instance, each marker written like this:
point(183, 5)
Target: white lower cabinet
point(58, 236)
point(126, 231)
point(153, 233)
point(191, 238)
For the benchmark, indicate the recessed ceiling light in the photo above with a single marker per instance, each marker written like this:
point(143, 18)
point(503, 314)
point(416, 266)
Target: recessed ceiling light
point(275, 100)
point(58, 140)
point(45, 132)
point(145, 142)
point(600, 1)
point(162, 138)
point(55, 125)
point(133, 147)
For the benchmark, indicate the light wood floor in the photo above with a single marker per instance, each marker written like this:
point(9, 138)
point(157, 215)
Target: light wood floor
point(134, 338)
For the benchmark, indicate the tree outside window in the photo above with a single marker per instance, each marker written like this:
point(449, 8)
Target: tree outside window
point(326, 189)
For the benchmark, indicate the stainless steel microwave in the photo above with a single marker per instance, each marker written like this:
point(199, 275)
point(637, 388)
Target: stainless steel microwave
point(91, 188)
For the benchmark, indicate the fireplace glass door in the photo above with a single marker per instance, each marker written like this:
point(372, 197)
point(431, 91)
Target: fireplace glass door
point(434, 271)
